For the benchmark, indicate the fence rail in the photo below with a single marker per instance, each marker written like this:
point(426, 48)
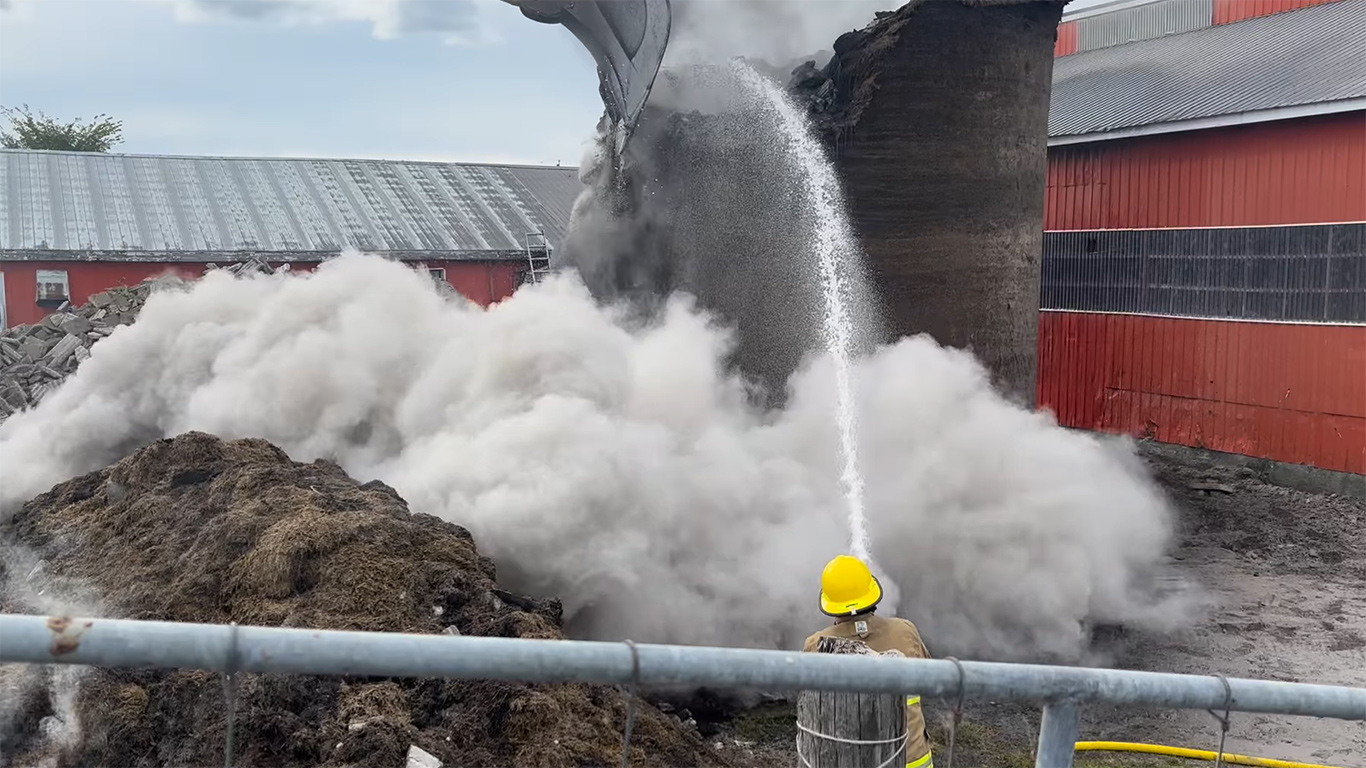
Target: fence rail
point(231, 649)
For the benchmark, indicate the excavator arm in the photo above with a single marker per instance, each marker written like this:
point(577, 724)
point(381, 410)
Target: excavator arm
point(627, 39)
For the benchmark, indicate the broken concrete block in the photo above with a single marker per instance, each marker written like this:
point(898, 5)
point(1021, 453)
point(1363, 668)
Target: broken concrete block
point(421, 758)
point(33, 349)
point(63, 350)
point(74, 324)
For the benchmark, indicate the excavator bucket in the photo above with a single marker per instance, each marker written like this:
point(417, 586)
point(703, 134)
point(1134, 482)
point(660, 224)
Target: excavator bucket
point(627, 39)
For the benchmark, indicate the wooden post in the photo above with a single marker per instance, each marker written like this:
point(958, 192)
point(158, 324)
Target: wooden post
point(859, 717)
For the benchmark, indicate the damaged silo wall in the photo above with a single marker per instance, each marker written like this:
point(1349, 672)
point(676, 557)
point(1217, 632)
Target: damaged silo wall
point(938, 118)
point(710, 204)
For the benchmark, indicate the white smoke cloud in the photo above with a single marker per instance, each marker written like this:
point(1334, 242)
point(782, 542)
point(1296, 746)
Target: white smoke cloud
point(456, 21)
point(26, 582)
point(619, 467)
point(776, 31)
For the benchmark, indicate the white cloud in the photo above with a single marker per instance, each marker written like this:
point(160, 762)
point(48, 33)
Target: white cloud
point(458, 22)
point(16, 9)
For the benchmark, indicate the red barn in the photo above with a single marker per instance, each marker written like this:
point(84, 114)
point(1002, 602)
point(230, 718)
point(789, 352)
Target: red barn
point(76, 223)
point(1204, 274)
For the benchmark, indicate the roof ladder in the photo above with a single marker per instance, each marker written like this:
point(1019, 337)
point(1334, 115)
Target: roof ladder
point(537, 256)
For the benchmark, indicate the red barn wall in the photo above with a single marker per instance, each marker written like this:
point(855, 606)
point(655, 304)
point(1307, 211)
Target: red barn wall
point(1223, 12)
point(483, 282)
point(83, 280)
point(1309, 170)
point(1067, 39)
point(1227, 11)
point(1164, 357)
point(1286, 391)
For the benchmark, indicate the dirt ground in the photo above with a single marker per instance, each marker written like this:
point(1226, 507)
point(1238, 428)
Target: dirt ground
point(1285, 576)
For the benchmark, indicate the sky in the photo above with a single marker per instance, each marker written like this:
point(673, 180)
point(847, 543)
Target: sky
point(464, 80)
point(459, 80)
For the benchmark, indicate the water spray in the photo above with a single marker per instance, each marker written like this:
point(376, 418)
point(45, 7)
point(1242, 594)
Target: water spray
point(835, 252)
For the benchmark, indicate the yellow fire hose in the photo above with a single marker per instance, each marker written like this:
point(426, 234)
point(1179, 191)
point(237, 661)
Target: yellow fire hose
point(1190, 754)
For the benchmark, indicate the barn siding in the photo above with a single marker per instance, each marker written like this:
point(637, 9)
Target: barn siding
point(483, 282)
point(1143, 22)
point(1208, 289)
point(1228, 11)
point(1283, 391)
point(1308, 170)
point(1066, 43)
point(1161, 18)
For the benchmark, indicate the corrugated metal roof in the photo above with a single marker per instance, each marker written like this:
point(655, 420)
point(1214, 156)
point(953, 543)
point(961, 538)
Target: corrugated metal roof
point(156, 206)
point(1309, 56)
point(1144, 22)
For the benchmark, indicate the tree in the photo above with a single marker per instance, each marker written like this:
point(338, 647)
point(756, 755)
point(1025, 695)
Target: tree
point(40, 131)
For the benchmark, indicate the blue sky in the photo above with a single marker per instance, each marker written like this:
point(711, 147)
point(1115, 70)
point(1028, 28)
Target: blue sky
point(467, 80)
point(190, 77)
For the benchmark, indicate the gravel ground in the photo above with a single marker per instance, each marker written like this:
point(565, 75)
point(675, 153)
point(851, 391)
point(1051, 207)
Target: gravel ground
point(1284, 572)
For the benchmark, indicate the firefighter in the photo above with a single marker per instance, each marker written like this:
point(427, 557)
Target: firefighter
point(850, 593)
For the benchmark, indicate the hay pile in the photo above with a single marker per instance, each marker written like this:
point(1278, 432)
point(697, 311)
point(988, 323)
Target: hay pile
point(204, 530)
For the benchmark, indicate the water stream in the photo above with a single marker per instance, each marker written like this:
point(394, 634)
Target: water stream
point(836, 250)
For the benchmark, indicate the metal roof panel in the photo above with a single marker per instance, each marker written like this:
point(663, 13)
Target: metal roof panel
point(55, 202)
point(1309, 56)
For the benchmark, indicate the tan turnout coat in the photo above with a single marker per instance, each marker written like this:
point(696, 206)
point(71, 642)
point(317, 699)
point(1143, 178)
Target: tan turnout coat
point(886, 634)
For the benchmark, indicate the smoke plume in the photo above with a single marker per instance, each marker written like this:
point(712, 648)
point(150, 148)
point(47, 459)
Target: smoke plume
point(615, 463)
point(781, 33)
point(710, 200)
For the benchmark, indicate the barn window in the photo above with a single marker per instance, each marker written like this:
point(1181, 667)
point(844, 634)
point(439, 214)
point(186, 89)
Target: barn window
point(438, 273)
point(53, 288)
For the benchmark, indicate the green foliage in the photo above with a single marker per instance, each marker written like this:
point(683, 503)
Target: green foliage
point(30, 131)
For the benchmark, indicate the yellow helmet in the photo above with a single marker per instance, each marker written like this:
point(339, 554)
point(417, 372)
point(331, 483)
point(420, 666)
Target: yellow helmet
point(848, 587)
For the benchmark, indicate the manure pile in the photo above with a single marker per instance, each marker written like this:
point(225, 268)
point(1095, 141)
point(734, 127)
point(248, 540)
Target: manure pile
point(205, 530)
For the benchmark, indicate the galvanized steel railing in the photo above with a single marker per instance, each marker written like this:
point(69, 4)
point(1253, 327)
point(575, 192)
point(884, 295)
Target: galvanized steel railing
point(231, 649)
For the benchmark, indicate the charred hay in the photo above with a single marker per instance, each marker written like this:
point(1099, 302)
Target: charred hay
point(204, 530)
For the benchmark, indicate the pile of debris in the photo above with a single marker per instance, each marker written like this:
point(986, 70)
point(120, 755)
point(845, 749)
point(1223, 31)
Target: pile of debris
point(254, 265)
point(34, 359)
point(200, 529)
